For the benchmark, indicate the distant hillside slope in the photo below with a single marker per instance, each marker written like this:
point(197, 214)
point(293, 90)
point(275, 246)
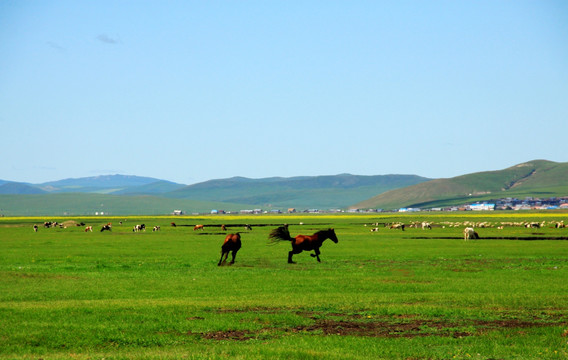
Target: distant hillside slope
point(19, 188)
point(533, 178)
point(299, 192)
point(158, 187)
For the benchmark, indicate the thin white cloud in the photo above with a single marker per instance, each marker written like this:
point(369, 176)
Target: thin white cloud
point(56, 47)
point(108, 39)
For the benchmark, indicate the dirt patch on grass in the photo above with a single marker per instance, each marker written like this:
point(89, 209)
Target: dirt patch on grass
point(509, 324)
point(248, 309)
point(381, 329)
point(388, 329)
point(392, 327)
point(235, 335)
point(373, 329)
point(360, 323)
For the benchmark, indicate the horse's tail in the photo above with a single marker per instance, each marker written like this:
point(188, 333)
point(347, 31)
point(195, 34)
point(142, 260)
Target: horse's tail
point(280, 234)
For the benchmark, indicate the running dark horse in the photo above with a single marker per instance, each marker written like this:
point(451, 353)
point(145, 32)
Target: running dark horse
point(303, 242)
point(232, 244)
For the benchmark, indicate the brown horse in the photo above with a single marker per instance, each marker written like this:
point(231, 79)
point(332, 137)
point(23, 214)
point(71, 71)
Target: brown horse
point(232, 244)
point(303, 242)
point(198, 227)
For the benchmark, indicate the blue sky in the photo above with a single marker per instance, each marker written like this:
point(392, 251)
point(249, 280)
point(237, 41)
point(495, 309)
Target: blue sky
point(189, 91)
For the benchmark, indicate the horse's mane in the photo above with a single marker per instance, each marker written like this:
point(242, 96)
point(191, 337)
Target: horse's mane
point(327, 231)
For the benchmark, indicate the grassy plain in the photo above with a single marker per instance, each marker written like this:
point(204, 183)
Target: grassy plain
point(418, 294)
point(82, 204)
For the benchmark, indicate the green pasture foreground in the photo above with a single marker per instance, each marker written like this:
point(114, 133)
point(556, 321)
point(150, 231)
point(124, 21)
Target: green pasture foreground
point(390, 294)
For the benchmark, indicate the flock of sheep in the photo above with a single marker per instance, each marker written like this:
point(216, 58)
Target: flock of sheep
point(469, 231)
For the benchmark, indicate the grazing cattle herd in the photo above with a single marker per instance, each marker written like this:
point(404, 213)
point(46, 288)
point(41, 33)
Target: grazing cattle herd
point(232, 242)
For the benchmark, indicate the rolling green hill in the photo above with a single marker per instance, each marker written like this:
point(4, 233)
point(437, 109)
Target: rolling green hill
point(234, 194)
point(154, 188)
point(337, 191)
point(539, 178)
point(19, 188)
point(128, 195)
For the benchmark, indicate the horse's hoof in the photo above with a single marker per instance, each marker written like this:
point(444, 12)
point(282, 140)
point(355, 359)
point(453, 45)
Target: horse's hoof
point(291, 262)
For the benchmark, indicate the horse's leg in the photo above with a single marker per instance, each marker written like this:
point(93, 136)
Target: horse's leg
point(224, 252)
point(290, 257)
point(294, 251)
point(234, 255)
point(221, 259)
point(317, 254)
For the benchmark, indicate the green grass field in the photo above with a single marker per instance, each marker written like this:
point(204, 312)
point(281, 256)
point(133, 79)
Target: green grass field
point(414, 294)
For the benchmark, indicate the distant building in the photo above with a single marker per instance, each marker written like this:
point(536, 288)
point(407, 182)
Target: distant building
point(482, 207)
point(408, 209)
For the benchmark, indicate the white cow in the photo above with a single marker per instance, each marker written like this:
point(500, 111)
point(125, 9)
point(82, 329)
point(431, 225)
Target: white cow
point(469, 233)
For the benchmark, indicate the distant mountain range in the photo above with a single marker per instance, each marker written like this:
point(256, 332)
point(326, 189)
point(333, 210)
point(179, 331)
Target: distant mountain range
point(337, 191)
point(124, 194)
point(104, 184)
point(323, 192)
